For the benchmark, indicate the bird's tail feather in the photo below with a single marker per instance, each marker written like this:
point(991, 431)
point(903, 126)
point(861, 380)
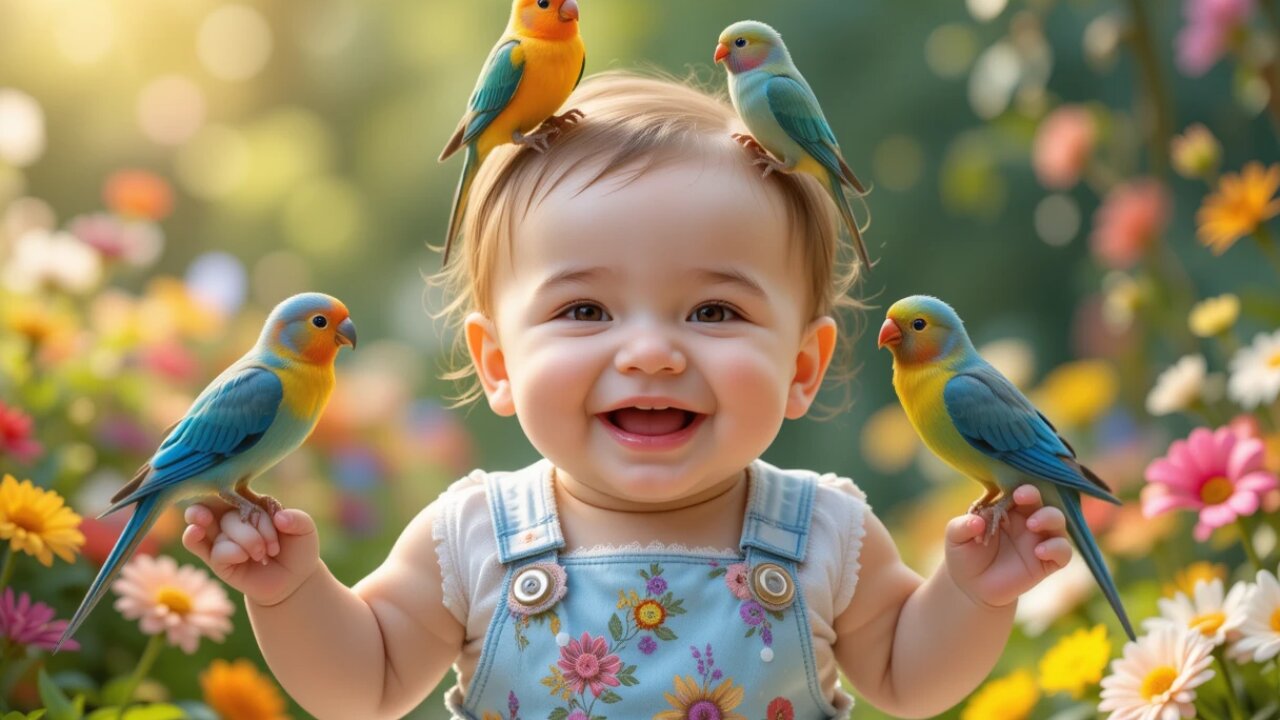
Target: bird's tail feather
point(1088, 548)
point(846, 212)
point(469, 168)
point(144, 516)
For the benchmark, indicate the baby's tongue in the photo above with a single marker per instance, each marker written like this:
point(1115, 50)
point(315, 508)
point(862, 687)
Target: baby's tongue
point(649, 422)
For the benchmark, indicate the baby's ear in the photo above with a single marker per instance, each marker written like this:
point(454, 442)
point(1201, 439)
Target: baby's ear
point(491, 366)
point(816, 348)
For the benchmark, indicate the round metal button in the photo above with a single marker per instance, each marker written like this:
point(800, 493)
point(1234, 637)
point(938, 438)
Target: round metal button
point(772, 585)
point(532, 586)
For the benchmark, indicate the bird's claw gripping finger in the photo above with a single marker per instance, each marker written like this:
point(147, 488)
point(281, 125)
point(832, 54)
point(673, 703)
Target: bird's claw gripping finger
point(995, 515)
point(246, 508)
point(269, 504)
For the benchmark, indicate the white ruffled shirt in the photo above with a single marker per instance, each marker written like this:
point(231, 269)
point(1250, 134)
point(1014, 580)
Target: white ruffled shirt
point(467, 552)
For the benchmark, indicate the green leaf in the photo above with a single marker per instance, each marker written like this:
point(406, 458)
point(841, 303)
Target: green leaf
point(610, 697)
point(777, 615)
point(158, 711)
point(558, 714)
point(656, 569)
point(664, 633)
point(666, 598)
point(615, 627)
point(644, 574)
point(750, 632)
point(60, 707)
point(718, 572)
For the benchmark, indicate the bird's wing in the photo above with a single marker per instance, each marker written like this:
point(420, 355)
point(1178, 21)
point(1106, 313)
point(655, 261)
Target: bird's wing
point(797, 111)
point(224, 422)
point(497, 85)
point(996, 419)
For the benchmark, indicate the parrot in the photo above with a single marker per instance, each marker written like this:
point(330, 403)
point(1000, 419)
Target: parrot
point(529, 74)
point(784, 117)
point(979, 423)
point(256, 412)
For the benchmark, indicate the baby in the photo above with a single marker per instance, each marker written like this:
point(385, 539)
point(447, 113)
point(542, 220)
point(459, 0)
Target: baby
point(650, 309)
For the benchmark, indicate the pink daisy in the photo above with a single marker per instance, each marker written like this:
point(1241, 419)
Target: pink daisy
point(1219, 473)
point(182, 602)
point(23, 622)
point(1208, 32)
point(587, 662)
point(736, 579)
point(16, 436)
point(1130, 221)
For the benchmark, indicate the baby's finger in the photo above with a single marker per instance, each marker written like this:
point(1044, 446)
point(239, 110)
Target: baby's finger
point(294, 522)
point(198, 515)
point(1048, 520)
point(226, 554)
point(193, 539)
point(1055, 550)
point(1027, 497)
point(250, 534)
point(965, 528)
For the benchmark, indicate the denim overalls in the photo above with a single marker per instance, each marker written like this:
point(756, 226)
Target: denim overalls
point(648, 634)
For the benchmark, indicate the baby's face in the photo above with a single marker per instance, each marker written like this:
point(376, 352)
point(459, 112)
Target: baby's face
point(679, 289)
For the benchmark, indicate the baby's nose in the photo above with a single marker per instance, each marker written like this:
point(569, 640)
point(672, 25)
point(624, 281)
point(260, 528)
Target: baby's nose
point(650, 351)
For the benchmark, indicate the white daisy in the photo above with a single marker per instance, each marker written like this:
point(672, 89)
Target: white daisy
point(43, 259)
point(1261, 626)
point(1213, 616)
point(1255, 372)
point(1157, 677)
point(1178, 387)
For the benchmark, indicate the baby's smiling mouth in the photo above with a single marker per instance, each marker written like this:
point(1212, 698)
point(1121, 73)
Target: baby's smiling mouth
point(650, 422)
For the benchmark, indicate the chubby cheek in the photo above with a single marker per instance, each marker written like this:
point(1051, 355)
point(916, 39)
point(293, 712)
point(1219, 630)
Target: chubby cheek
point(750, 385)
point(550, 387)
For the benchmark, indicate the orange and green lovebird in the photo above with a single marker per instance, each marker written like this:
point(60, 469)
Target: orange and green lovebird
point(979, 423)
point(532, 70)
point(249, 418)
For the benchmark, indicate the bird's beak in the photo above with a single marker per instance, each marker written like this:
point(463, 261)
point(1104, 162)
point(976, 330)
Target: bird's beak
point(569, 10)
point(347, 333)
point(890, 334)
point(722, 52)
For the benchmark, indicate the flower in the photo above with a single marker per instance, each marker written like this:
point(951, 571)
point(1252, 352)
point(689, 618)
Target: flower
point(780, 708)
point(31, 624)
point(136, 243)
point(587, 662)
point(1213, 316)
point(1216, 472)
point(41, 258)
point(1178, 387)
point(1186, 579)
point(1076, 661)
point(182, 602)
point(1211, 24)
point(1206, 611)
point(1260, 631)
point(656, 585)
point(138, 194)
point(1062, 146)
point(36, 521)
point(752, 612)
point(649, 614)
point(1158, 675)
point(16, 437)
point(238, 691)
point(736, 578)
point(694, 701)
point(1242, 203)
point(1255, 372)
point(1196, 152)
point(1012, 697)
point(647, 645)
point(1131, 219)
point(1076, 393)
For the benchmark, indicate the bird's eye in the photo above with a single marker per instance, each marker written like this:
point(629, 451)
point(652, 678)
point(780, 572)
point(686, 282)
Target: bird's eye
point(544, 4)
point(740, 42)
point(918, 324)
point(320, 321)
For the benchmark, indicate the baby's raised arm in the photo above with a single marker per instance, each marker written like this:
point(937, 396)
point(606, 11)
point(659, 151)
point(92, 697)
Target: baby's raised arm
point(371, 651)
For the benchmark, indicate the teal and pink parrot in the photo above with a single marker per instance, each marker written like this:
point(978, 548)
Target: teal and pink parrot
point(978, 422)
point(530, 72)
point(250, 417)
point(784, 117)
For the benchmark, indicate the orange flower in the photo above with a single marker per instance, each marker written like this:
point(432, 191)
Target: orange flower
point(138, 194)
point(650, 614)
point(1242, 203)
point(237, 691)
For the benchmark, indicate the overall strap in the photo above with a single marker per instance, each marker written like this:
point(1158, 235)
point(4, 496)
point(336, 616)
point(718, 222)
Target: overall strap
point(523, 508)
point(778, 512)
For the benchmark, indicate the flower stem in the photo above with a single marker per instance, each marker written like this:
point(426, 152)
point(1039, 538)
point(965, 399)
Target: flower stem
point(1156, 93)
point(1268, 246)
point(6, 571)
point(1233, 702)
point(154, 646)
point(1246, 539)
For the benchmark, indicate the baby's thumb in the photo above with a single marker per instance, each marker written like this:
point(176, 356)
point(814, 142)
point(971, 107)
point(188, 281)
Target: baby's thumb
point(294, 522)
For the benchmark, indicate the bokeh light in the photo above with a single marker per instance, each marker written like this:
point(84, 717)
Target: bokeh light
point(214, 163)
point(170, 109)
point(219, 280)
point(898, 162)
point(234, 42)
point(1057, 219)
point(85, 30)
point(950, 50)
point(22, 135)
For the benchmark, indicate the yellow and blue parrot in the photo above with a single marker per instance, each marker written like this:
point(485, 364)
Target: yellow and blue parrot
point(784, 117)
point(531, 71)
point(978, 422)
point(250, 417)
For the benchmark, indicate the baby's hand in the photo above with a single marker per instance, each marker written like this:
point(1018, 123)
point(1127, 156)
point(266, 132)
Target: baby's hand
point(1030, 546)
point(266, 558)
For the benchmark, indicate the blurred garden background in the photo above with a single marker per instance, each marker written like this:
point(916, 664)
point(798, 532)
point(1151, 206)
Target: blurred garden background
point(1088, 182)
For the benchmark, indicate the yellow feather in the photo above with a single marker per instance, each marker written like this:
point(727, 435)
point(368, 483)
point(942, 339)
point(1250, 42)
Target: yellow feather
point(551, 70)
point(920, 388)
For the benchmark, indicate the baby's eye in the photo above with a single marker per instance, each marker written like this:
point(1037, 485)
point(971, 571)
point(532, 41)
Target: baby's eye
point(587, 312)
point(714, 313)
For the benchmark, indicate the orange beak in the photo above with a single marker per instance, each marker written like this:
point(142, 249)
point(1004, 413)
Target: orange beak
point(569, 10)
point(890, 334)
point(722, 52)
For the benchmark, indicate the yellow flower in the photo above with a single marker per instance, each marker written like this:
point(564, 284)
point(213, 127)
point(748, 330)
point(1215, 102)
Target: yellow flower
point(36, 521)
point(1195, 152)
point(650, 614)
point(237, 691)
point(1213, 316)
point(725, 697)
point(1077, 393)
point(1076, 662)
point(1012, 697)
point(889, 442)
point(1185, 580)
point(1243, 202)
